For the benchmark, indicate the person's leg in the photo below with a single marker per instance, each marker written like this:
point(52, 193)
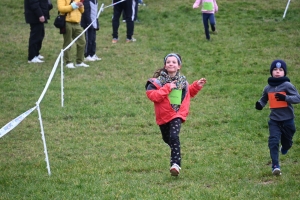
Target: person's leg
point(42, 35)
point(288, 130)
point(205, 18)
point(35, 38)
point(273, 142)
point(212, 21)
point(80, 43)
point(165, 132)
point(174, 141)
point(129, 12)
point(67, 40)
point(94, 44)
point(90, 37)
point(118, 8)
point(136, 10)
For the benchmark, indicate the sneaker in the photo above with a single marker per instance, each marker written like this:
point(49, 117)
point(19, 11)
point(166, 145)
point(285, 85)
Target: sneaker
point(35, 60)
point(96, 57)
point(114, 40)
point(40, 57)
point(70, 65)
point(132, 40)
point(276, 170)
point(174, 170)
point(283, 151)
point(124, 20)
point(89, 58)
point(81, 65)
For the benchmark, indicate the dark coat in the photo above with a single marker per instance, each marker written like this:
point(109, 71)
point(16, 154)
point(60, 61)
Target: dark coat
point(90, 14)
point(34, 9)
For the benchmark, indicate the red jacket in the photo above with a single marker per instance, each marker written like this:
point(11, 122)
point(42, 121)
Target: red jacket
point(159, 95)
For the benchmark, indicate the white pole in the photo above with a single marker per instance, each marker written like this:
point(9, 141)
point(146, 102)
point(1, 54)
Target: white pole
point(44, 139)
point(62, 76)
point(286, 8)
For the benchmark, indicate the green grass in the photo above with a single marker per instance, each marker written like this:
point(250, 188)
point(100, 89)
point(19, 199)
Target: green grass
point(104, 143)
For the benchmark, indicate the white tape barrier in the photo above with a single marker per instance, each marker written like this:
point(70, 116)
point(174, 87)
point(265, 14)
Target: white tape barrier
point(286, 8)
point(12, 124)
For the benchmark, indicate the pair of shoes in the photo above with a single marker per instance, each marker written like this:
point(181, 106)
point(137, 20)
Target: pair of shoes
point(95, 57)
point(174, 170)
point(89, 59)
point(283, 151)
point(276, 170)
point(40, 57)
point(35, 60)
point(130, 40)
point(70, 66)
point(81, 65)
point(114, 40)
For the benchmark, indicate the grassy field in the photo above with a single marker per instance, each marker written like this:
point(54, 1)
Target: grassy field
point(104, 143)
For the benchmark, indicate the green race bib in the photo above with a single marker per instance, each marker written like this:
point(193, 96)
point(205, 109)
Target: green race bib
point(175, 96)
point(208, 6)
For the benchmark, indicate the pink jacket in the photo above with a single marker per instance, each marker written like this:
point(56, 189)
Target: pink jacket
point(208, 6)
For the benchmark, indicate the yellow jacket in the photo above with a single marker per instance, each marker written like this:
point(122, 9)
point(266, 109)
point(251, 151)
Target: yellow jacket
point(64, 7)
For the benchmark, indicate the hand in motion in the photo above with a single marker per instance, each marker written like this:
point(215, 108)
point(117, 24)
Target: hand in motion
point(258, 106)
point(201, 82)
point(280, 97)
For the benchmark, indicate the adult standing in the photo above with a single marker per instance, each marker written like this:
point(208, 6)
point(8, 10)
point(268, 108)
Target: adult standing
point(128, 7)
point(74, 10)
point(36, 14)
point(90, 17)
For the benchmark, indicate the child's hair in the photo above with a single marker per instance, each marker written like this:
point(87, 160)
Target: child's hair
point(158, 71)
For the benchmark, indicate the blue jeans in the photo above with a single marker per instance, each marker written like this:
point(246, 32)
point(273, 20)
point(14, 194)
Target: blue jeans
point(280, 132)
point(212, 21)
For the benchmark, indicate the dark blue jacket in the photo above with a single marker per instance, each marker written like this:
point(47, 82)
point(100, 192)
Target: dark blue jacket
point(90, 14)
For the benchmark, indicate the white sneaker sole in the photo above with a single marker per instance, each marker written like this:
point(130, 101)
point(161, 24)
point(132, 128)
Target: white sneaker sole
point(276, 172)
point(174, 172)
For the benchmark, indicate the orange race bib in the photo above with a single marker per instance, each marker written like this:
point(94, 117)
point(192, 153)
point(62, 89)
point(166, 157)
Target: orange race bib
point(273, 101)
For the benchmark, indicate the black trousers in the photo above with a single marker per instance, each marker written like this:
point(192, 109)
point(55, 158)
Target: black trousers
point(90, 37)
point(136, 8)
point(170, 135)
point(128, 7)
point(37, 34)
point(280, 132)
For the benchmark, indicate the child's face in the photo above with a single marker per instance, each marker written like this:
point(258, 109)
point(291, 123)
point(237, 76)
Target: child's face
point(172, 65)
point(278, 72)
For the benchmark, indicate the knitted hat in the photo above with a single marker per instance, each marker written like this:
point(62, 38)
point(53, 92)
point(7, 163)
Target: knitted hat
point(278, 64)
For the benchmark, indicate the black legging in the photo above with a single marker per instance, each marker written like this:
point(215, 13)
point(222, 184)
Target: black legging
point(170, 134)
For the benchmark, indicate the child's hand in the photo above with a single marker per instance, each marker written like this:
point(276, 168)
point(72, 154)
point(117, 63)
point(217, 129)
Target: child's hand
point(195, 6)
point(201, 82)
point(173, 84)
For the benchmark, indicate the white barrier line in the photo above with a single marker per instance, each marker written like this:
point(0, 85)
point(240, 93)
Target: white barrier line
point(114, 4)
point(100, 10)
point(287, 5)
point(44, 139)
point(49, 79)
point(12, 124)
